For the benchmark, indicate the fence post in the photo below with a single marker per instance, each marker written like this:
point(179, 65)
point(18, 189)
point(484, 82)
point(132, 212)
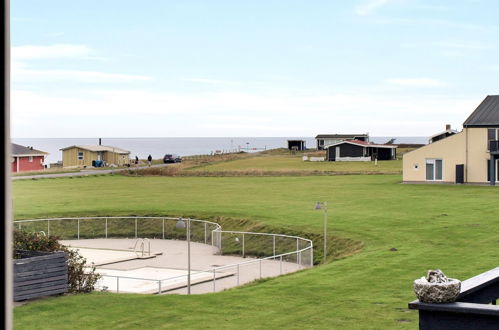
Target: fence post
point(243, 245)
point(214, 279)
point(163, 228)
point(311, 257)
point(78, 228)
point(117, 284)
point(280, 264)
point(273, 244)
point(299, 259)
point(212, 235)
point(106, 227)
point(205, 237)
point(135, 227)
point(237, 274)
point(19, 226)
point(48, 227)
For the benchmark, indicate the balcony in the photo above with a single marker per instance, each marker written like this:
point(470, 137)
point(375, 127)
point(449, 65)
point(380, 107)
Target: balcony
point(494, 146)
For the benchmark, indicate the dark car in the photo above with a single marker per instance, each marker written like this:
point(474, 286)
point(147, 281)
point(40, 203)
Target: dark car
point(171, 158)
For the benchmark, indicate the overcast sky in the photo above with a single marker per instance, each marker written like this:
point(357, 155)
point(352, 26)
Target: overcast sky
point(249, 68)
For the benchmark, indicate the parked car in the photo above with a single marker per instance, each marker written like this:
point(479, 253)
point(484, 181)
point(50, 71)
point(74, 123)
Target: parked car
point(171, 158)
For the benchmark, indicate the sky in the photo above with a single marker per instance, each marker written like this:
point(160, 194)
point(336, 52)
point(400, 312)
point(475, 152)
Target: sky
point(249, 68)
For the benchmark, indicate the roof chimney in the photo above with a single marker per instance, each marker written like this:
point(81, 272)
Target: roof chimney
point(447, 127)
point(100, 142)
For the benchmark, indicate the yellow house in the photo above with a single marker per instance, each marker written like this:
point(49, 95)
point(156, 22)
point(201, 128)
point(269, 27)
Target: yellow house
point(85, 155)
point(470, 156)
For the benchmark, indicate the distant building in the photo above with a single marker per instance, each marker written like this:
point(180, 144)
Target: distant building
point(470, 156)
point(298, 145)
point(27, 159)
point(357, 150)
point(328, 139)
point(442, 135)
point(86, 155)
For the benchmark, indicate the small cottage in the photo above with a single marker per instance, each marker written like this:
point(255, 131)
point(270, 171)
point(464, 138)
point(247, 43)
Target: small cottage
point(93, 155)
point(357, 150)
point(27, 159)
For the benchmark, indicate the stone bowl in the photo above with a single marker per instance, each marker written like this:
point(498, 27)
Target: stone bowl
point(437, 293)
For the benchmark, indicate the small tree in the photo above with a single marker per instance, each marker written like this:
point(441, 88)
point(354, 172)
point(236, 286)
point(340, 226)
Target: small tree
point(79, 280)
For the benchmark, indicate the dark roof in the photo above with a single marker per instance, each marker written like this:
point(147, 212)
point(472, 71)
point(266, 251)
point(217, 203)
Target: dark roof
point(19, 150)
point(487, 113)
point(340, 136)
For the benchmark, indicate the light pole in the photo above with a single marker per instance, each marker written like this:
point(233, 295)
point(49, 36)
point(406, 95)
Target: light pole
point(181, 225)
point(319, 206)
point(114, 159)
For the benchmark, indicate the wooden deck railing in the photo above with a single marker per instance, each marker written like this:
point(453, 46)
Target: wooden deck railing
point(475, 307)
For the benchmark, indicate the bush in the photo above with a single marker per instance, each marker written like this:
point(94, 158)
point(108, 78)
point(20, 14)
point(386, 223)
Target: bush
point(79, 280)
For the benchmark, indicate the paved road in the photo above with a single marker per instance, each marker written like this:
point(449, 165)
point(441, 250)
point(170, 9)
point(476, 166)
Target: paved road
point(81, 173)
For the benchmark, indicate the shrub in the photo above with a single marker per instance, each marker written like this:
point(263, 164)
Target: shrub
point(79, 279)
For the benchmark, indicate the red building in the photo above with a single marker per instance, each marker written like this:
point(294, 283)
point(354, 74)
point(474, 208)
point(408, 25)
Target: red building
point(27, 159)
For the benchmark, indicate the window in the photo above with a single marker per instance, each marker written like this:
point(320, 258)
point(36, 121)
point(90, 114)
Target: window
point(492, 135)
point(80, 155)
point(434, 170)
point(30, 159)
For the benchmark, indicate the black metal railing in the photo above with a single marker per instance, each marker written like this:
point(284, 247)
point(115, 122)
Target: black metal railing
point(493, 146)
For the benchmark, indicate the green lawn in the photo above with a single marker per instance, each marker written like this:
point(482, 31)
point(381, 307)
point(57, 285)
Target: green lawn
point(453, 228)
point(292, 163)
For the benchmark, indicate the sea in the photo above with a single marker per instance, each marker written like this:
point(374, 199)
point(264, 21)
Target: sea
point(142, 147)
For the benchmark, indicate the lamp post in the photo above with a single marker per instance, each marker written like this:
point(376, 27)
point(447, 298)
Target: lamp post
point(181, 224)
point(319, 206)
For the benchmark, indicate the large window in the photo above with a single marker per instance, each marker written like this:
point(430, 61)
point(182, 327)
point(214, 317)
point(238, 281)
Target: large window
point(492, 135)
point(434, 170)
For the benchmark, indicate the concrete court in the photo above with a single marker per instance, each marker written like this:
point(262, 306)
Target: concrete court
point(170, 259)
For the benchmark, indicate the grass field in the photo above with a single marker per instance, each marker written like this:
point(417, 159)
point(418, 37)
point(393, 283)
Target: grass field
point(453, 228)
point(290, 163)
point(274, 162)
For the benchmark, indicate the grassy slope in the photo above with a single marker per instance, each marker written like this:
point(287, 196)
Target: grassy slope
point(295, 163)
point(450, 227)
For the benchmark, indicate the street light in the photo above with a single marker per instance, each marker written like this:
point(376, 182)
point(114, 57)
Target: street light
point(181, 224)
point(320, 206)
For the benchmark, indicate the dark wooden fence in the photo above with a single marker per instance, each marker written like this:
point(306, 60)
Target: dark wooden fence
point(38, 274)
point(475, 307)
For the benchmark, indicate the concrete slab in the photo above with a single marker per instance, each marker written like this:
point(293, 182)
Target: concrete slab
point(148, 279)
point(100, 257)
point(173, 260)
